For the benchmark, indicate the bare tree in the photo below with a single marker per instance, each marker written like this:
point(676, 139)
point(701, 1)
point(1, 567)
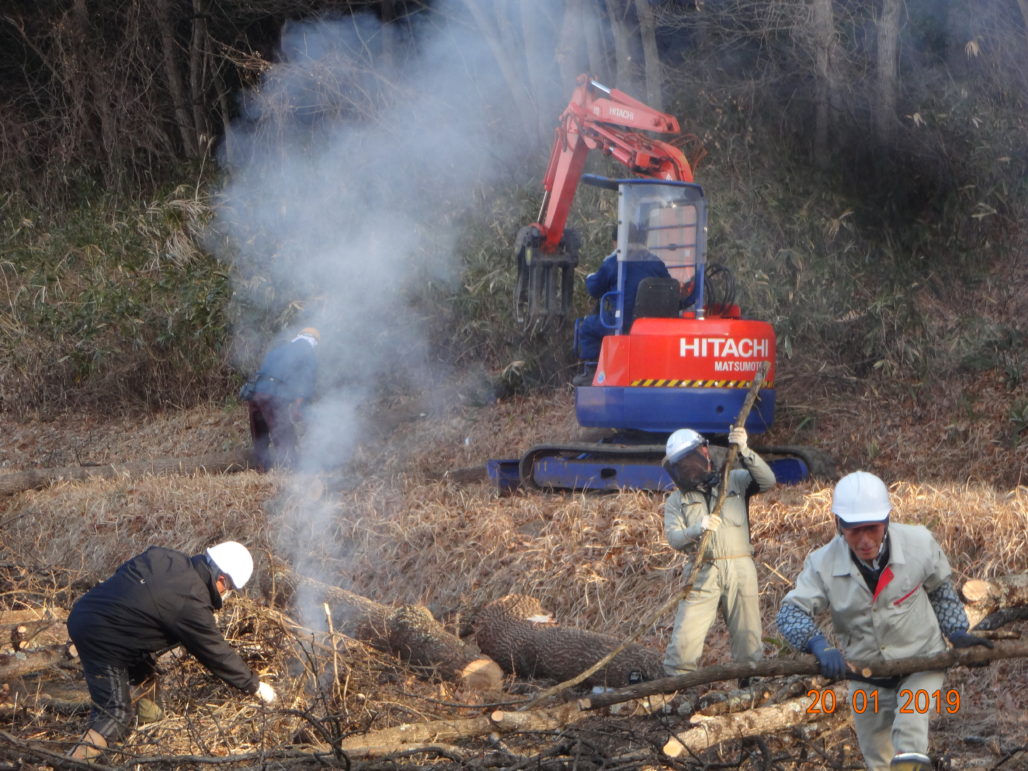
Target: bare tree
point(651, 55)
point(887, 69)
point(825, 45)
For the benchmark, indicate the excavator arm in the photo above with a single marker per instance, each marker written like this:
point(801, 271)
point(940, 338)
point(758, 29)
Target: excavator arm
point(597, 118)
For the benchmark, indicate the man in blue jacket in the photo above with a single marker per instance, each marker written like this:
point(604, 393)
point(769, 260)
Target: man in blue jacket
point(154, 602)
point(639, 264)
point(276, 395)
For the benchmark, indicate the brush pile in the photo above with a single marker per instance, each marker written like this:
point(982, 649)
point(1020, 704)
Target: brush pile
point(387, 528)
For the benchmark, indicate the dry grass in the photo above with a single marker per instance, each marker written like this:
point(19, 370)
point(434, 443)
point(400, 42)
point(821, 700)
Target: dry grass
point(387, 529)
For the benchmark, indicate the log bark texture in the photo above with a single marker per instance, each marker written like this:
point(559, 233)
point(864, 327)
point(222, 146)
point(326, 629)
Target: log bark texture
point(505, 631)
point(24, 662)
point(34, 479)
point(409, 632)
point(753, 722)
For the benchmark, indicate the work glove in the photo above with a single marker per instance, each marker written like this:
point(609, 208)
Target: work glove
point(737, 436)
point(830, 659)
point(266, 693)
point(964, 639)
point(710, 522)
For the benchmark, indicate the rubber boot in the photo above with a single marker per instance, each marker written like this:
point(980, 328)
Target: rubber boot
point(89, 747)
point(910, 761)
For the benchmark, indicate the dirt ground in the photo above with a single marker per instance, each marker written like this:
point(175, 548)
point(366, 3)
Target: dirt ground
point(388, 527)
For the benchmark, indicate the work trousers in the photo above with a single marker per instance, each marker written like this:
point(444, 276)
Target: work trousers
point(900, 721)
point(112, 713)
point(728, 584)
point(272, 431)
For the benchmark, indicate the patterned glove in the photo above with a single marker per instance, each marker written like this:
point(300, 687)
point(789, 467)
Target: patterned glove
point(738, 437)
point(831, 661)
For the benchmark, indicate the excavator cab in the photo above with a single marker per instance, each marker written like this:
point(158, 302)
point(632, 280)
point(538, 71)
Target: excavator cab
point(658, 222)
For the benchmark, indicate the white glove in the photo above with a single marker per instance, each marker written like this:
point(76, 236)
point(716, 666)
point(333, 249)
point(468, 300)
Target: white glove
point(737, 436)
point(710, 522)
point(266, 693)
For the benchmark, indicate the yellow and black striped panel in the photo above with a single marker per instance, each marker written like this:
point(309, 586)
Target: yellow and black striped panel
point(654, 383)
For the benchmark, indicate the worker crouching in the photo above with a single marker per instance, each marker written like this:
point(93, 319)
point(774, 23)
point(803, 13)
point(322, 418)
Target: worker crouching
point(157, 600)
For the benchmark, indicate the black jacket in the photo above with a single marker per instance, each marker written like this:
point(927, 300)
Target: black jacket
point(153, 602)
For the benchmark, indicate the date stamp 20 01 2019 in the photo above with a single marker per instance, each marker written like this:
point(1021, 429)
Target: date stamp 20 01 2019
point(909, 702)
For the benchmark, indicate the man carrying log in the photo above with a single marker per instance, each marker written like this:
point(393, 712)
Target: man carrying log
point(728, 577)
point(889, 592)
point(155, 601)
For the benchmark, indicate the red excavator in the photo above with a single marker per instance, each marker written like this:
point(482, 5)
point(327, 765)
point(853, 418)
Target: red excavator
point(684, 356)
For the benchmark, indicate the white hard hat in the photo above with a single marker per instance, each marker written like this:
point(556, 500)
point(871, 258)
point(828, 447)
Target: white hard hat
point(681, 443)
point(861, 498)
point(234, 560)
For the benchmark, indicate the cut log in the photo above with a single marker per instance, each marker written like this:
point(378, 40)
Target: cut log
point(23, 662)
point(985, 598)
point(218, 463)
point(517, 634)
point(753, 722)
point(409, 632)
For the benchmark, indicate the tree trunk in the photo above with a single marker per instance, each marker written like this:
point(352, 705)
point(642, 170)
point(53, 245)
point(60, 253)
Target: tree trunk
point(176, 86)
point(515, 633)
point(34, 479)
point(199, 72)
point(626, 70)
point(409, 632)
point(651, 55)
point(594, 45)
point(570, 60)
point(823, 24)
point(502, 47)
point(887, 70)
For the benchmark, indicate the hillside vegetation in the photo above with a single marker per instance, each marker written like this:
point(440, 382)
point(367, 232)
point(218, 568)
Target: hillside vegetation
point(349, 188)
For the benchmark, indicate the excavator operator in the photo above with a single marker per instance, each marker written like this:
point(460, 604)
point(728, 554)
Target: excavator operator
point(640, 263)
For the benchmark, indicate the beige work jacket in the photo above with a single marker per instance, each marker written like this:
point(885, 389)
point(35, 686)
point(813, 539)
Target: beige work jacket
point(896, 621)
point(683, 512)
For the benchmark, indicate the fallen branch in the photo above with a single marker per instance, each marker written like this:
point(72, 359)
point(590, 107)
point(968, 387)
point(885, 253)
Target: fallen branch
point(34, 479)
point(741, 725)
point(807, 665)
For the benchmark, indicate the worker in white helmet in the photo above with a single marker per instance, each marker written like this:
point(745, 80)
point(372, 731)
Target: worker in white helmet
point(727, 578)
point(276, 397)
point(888, 588)
point(157, 600)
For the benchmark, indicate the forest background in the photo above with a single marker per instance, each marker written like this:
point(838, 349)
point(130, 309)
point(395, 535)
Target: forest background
point(183, 179)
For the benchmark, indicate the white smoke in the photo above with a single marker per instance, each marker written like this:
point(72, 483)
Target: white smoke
point(346, 184)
